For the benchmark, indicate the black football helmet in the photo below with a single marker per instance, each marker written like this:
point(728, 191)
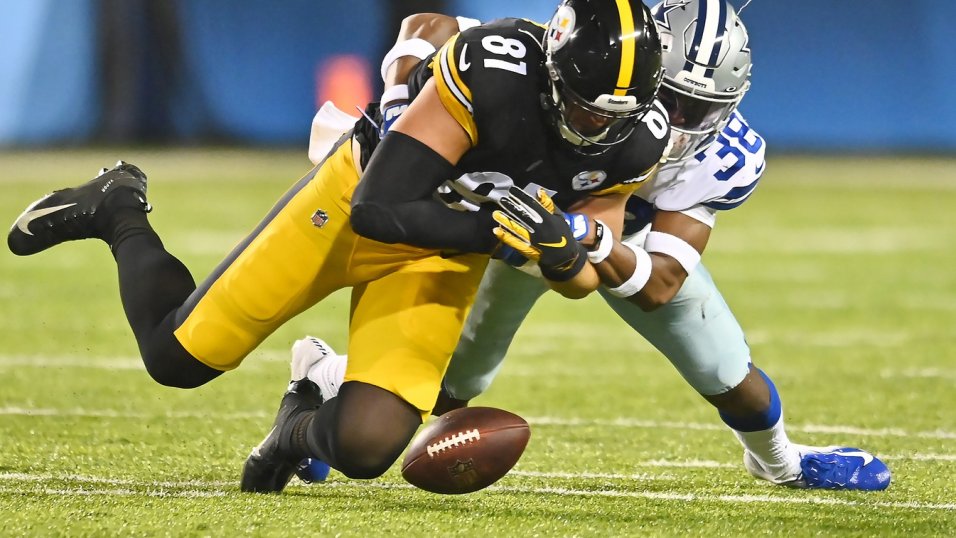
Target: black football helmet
point(603, 59)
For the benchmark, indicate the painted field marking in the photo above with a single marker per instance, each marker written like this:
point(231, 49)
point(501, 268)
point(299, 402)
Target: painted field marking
point(639, 477)
point(158, 489)
point(623, 422)
point(920, 373)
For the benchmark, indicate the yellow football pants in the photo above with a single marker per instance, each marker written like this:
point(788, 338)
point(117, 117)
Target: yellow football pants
point(408, 304)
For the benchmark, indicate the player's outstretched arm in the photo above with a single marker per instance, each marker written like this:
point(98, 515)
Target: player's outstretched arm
point(393, 202)
point(419, 36)
point(648, 277)
point(422, 30)
point(651, 276)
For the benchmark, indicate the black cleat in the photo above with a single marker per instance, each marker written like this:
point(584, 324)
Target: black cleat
point(271, 465)
point(77, 212)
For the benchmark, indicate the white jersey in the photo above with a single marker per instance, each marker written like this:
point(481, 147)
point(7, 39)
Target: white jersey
point(718, 178)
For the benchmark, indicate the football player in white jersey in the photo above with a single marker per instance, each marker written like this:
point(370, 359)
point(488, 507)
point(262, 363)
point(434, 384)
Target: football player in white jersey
point(714, 165)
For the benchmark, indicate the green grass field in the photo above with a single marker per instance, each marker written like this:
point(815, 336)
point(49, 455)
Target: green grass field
point(842, 272)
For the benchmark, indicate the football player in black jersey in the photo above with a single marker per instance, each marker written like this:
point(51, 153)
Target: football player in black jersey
point(505, 121)
point(710, 351)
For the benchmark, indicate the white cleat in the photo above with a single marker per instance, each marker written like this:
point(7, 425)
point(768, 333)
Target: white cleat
point(306, 353)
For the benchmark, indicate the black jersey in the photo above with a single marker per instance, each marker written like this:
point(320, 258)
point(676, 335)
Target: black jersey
point(492, 80)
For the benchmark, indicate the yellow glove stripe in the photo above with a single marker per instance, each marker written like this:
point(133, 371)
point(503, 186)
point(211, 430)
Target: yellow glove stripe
point(520, 246)
point(546, 201)
point(512, 225)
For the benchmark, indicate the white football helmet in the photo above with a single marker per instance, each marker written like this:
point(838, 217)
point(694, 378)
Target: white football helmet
point(706, 69)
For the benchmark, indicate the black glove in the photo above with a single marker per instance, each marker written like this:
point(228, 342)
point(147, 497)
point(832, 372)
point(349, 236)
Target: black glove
point(537, 229)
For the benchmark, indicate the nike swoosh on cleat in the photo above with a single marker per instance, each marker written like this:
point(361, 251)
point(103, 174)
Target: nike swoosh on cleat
point(867, 457)
point(25, 219)
point(256, 452)
point(564, 241)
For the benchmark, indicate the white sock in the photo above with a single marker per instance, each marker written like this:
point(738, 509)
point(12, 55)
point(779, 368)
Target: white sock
point(774, 451)
point(316, 360)
point(328, 374)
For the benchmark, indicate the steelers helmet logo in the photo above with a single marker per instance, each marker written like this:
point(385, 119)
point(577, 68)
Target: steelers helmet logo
point(588, 180)
point(560, 28)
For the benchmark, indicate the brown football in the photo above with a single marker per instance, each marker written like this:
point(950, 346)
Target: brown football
point(465, 450)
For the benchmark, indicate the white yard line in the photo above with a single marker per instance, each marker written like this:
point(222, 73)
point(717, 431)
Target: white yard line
point(639, 477)
point(735, 499)
point(623, 422)
point(920, 373)
point(117, 492)
point(162, 489)
point(112, 413)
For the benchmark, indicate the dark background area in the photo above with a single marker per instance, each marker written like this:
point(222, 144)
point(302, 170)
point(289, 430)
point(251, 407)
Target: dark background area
point(854, 75)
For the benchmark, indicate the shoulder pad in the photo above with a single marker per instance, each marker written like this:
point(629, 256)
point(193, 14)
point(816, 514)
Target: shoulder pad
point(489, 67)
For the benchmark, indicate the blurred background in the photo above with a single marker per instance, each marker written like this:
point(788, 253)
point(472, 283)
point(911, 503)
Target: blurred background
point(854, 75)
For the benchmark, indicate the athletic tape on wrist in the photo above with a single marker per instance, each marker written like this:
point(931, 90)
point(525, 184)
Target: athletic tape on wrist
point(605, 243)
point(675, 247)
point(399, 91)
point(642, 273)
point(416, 47)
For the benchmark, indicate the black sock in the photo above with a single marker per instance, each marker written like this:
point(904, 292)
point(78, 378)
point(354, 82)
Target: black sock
point(153, 286)
point(120, 214)
point(362, 431)
point(299, 443)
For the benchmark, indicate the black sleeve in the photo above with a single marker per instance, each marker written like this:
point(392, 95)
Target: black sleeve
point(394, 201)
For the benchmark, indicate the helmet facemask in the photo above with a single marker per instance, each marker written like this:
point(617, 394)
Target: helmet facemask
point(591, 129)
point(695, 117)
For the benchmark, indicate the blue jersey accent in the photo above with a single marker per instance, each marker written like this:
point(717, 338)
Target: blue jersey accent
point(637, 214)
point(733, 198)
point(720, 177)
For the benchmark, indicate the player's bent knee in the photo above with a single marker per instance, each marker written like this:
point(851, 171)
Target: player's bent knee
point(174, 367)
point(361, 455)
point(364, 470)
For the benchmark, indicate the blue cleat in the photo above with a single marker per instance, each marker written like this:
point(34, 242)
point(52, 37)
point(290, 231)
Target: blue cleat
point(844, 468)
point(824, 467)
point(312, 470)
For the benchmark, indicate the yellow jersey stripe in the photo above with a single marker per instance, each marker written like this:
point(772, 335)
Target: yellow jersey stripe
point(451, 70)
point(627, 47)
point(453, 92)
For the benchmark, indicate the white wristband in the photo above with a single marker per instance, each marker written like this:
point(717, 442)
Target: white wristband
point(642, 273)
point(416, 47)
point(399, 91)
point(675, 247)
point(465, 23)
point(605, 243)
